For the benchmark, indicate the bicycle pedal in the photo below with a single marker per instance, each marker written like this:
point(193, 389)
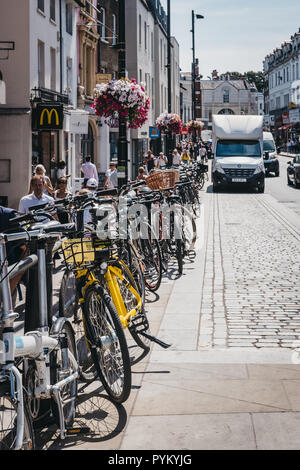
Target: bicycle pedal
point(83, 430)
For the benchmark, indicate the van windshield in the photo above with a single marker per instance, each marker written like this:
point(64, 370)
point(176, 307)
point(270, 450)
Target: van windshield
point(269, 146)
point(238, 148)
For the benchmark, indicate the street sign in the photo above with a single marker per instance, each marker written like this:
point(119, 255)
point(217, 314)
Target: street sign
point(154, 133)
point(295, 115)
point(48, 117)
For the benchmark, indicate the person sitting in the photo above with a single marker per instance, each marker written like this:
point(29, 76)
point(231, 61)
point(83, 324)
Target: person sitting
point(36, 198)
point(48, 188)
point(142, 175)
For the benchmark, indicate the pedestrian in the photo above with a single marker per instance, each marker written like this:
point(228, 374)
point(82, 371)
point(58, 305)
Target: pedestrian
point(162, 161)
point(89, 170)
point(185, 157)
point(149, 161)
point(36, 198)
point(111, 177)
point(203, 154)
point(176, 158)
point(40, 170)
point(61, 170)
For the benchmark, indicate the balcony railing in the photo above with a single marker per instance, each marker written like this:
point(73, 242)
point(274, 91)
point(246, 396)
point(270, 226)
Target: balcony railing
point(46, 95)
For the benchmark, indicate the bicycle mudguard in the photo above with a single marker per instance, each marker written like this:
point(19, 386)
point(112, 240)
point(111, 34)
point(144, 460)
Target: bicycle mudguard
point(58, 325)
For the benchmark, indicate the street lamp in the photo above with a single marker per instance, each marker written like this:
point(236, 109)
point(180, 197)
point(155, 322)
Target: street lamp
point(198, 17)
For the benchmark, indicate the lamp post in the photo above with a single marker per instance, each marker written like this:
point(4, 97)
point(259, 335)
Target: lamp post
point(199, 17)
point(122, 143)
point(169, 66)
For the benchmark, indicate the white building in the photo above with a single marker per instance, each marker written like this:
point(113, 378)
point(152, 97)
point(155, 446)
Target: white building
point(227, 97)
point(186, 86)
point(282, 75)
point(41, 91)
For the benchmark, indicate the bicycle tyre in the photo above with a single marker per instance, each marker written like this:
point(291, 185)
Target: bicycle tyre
point(112, 362)
point(69, 308)
point(8, 414)
point(152, 259)
point(180, 255)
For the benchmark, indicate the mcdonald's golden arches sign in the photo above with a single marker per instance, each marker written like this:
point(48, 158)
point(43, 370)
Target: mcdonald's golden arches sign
point(48, 117)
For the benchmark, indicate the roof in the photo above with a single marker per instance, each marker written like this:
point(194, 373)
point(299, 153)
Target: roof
point(241, 127)
point(213, 84)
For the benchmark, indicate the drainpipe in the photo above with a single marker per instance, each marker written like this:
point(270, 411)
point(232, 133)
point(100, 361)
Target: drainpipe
point(61, 46)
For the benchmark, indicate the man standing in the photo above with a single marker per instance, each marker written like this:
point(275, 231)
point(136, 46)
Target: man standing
point(89, 171)
point(176, 158)
point(111, 180)
point(36, 198)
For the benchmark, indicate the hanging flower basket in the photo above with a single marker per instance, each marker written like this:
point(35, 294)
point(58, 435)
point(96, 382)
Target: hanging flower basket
point(122, 98)
point(169, 123)
point(194, 127)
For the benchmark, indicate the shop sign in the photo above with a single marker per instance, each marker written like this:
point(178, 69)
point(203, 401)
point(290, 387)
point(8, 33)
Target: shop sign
point(154, 133)
point(48, 117)
point(286, 118)
point(295, 115)
point(103, 78)
point(79, 123)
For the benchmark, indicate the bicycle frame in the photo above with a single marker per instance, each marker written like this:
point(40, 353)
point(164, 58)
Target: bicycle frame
point(35, 345)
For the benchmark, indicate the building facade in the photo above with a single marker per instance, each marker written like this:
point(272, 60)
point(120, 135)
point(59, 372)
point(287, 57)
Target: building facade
point(227, 97)
point(41, 92)
point(282, 85)
point(186, 86)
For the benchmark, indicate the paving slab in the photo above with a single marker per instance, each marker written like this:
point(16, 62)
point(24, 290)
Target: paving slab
point(277, 431)
point(196, 432)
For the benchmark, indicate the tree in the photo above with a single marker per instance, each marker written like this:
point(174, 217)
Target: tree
point(253, 77)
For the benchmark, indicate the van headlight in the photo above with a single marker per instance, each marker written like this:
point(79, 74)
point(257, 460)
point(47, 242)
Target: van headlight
point(260, 168)
point(219, 168)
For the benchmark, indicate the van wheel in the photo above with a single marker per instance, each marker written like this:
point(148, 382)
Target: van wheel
point(261, 189)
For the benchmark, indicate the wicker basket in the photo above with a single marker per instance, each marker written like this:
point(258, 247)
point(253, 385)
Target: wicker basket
point(163, 179)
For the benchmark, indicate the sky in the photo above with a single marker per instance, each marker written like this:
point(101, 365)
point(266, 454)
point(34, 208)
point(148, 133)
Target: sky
point(235, 35)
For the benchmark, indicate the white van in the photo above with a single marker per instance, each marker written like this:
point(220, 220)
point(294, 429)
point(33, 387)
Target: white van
point(270, 154)
point(238, 151)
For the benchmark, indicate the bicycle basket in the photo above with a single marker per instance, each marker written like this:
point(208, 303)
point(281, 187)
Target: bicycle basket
point(163, 179)
point(84, 251)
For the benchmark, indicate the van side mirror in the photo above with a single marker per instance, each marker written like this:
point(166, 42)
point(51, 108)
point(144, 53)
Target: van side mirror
point(289, 163)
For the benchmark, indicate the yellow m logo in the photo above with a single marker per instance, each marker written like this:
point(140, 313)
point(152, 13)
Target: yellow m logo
point(49, 114)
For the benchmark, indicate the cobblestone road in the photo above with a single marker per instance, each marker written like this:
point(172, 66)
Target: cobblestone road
point(251, 291)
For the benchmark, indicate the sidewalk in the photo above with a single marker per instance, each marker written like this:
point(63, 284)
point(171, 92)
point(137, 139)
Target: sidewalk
point(286, 154)
point(209, 390)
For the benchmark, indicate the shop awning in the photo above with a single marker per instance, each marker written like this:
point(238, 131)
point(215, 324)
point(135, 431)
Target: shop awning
point(286, 126)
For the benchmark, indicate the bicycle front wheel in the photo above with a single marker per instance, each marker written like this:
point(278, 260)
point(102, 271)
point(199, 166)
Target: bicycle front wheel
point(8, 421)
point(107, 343)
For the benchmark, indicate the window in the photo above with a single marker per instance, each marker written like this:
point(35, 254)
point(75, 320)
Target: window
point(278, 102)
point(53, 68)
point(238, 148)
point(283, 75)
point(287, 74)
point(41, 64)
point(52, 10)
point(145, 32)
point(152, 46)
point(140, 30)
point(41, 5)
point(286, 100)
point(226, 95)
point(69, 18)
point(102, 21)
point(114, 27)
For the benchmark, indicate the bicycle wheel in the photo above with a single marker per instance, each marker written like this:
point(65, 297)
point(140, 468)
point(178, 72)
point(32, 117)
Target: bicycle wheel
point(58, 371)
point(69, 308)
point(8, 421)
point(133, 260)
point(151, 256)
point(180, 255)
point(107, 343)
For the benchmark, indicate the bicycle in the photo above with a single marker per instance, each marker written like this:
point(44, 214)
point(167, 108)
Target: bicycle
point(48, 357)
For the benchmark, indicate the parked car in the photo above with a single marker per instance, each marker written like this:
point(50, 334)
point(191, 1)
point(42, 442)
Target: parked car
point(293, 171)
point(270, 154)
